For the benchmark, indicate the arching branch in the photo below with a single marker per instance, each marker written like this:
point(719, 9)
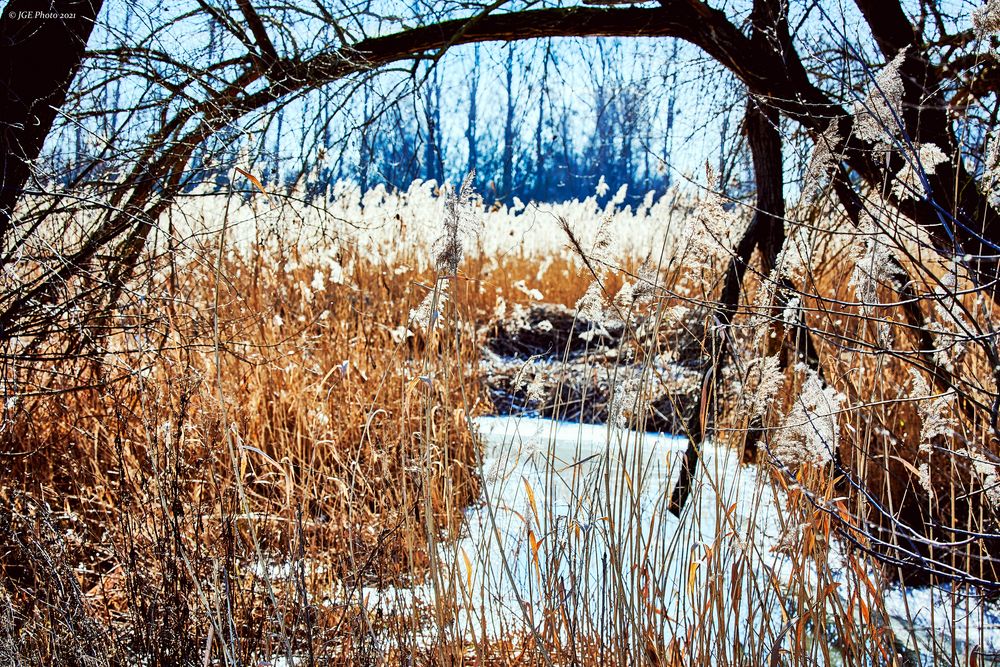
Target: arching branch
point(956, 214)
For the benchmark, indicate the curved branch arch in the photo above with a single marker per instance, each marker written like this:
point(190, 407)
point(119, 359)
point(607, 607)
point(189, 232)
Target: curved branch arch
point(771, 71)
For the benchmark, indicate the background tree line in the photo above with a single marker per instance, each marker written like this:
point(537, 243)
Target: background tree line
point(544, 121)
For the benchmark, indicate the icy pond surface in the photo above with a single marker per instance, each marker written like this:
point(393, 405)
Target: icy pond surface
point(573, 536)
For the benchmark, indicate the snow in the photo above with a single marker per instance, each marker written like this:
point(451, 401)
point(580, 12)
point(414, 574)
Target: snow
point(932, 619)
point(573, 534)
point(574, 531)
point(567, 504)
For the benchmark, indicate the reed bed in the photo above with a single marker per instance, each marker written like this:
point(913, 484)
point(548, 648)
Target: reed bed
point(268, 454)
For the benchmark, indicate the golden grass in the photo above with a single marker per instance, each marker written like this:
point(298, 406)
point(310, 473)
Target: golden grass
point(257, 453)
point(257, 424)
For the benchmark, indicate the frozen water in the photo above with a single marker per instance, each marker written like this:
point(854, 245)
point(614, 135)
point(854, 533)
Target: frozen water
point(574, 532)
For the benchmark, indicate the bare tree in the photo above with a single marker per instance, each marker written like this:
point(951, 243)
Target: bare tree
point(865, 144)
point(41, 47)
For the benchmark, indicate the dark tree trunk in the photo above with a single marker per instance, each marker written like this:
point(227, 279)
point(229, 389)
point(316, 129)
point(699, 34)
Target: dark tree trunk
point(471, 135)
point(42, 43)
point(507, 193)
point(766, 232)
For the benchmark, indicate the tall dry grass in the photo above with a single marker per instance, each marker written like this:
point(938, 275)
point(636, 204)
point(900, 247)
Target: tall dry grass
point(263, 443)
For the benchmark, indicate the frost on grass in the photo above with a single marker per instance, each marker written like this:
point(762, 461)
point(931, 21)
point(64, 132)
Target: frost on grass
point(908, 183)
point(991, 169)
point(949, 328)
point(710, 233)
point(811, 429)
point(876, 118)
point(428, 313)
point(823, 159)
point(873, 260)
point(767, 377)
point(986, 19)
point(460, 221)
